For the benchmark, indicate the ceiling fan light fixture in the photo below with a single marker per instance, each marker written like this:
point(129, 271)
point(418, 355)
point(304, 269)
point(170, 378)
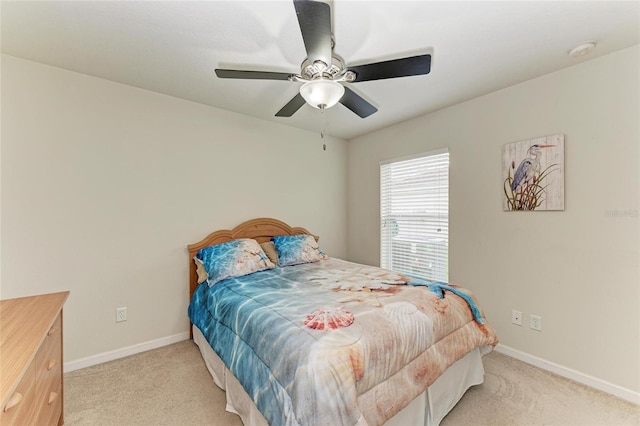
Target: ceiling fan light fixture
point(322, 93)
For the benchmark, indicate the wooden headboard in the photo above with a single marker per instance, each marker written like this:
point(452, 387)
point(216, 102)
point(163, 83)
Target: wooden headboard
point(261, 229)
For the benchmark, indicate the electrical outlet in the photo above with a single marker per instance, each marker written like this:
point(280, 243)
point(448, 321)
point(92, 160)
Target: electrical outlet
point(121, 314)
point(536, 322)
point(516, 317)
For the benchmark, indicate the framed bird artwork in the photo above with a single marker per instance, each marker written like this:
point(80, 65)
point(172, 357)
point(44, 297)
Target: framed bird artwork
point(533, 174)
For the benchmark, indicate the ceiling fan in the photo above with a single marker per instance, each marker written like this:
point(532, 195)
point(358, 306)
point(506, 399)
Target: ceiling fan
point(323, 72)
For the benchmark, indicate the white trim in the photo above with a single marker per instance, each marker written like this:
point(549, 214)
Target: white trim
point(124, 352)
point(585, 379)
point(414, 156)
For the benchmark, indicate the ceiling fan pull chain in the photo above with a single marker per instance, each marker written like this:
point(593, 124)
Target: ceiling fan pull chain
point(323, 120)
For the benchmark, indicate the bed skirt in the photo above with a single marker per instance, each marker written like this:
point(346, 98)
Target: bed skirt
point(427, 409)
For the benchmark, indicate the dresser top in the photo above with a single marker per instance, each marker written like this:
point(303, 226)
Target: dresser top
point(24, 323)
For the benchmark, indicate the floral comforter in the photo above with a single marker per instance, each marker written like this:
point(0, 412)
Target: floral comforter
point(329, 342)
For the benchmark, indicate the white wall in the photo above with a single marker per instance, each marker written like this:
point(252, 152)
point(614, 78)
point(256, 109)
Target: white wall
point(104, 185)
point(580, 268)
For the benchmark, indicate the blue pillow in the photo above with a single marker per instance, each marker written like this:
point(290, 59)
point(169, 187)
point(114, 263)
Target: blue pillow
point(296, 249)
point(233, 259)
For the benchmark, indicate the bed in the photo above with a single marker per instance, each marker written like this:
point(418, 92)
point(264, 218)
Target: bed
point(296, 337)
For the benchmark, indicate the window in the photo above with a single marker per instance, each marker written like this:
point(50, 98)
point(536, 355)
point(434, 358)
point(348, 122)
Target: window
point(414, 207)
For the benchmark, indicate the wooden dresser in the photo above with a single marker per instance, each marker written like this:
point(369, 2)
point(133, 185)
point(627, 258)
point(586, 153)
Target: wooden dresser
point(31, 388)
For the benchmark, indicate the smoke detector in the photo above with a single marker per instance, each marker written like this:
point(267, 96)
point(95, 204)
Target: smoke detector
point(582, 49)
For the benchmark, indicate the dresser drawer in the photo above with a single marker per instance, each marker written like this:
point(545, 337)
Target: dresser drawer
point(53, 340)
point(21, 407)
point(49, 377)
point(49, 407)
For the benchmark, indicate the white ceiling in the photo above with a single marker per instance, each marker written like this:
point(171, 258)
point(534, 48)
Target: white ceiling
point(172, 47)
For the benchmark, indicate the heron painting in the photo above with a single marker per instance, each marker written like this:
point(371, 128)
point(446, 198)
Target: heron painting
point(533, 173)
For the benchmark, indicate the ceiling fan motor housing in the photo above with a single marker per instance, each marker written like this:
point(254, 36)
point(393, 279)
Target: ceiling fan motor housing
point(318, 69)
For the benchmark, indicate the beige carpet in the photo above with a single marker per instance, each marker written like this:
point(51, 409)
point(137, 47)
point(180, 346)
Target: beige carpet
point(171, 386)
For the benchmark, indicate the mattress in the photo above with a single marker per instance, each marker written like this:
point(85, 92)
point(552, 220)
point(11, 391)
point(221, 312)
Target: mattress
point(428, 409)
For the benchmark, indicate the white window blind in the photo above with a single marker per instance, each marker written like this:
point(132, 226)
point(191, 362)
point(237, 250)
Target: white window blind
point(414, 206)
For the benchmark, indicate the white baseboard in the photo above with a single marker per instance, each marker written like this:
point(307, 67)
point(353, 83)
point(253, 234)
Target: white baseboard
point(121, 353)
point(585, 379)
point(576, 376)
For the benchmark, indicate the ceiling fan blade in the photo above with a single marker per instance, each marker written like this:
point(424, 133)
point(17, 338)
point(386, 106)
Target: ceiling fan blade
point(314, 18)
point(414, 65)
point(357, 104)
point(292, 106)
point(253, 75)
